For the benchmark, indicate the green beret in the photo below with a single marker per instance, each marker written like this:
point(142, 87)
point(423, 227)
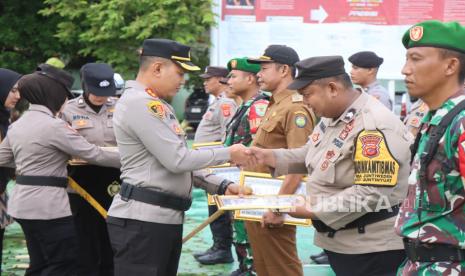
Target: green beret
point(434, 33)
point(243, 65)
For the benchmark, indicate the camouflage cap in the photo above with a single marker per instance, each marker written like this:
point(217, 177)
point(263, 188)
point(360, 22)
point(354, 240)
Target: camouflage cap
point(434, 33)
point(242, 64)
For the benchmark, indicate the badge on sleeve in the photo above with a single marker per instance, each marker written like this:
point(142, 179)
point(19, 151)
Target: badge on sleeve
point(226, 108)
point(260, 109)
point(300, 120)
point(373, 162)
point(157, 108)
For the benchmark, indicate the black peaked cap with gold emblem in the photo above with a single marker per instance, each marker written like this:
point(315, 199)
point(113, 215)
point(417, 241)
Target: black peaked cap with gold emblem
point(169, 49)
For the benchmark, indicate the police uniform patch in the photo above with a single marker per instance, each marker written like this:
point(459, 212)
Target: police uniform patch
point(81, 123)
point(315, 137)
point(177, 129)
point(226, 109)
point(157, 108)
point(324, 165)
point(373, 162)
point(338, 143)
point(150, 92)
point(300, 120)
point(349, 115)
point(415, 122)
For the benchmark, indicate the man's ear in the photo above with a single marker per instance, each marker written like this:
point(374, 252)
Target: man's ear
point(452, 66)
point(157, 67)
point(333, 89)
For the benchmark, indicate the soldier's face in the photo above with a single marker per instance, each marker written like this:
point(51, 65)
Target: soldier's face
point(359, 75)
point(425, 71)
point(239, 82)
point(269, 76)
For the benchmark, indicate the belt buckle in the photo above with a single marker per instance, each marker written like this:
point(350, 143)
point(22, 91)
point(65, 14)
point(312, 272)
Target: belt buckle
point(126, 191)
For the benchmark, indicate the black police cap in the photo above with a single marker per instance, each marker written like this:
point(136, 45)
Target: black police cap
point(59, 75)
point(97, 79)
point(169, 49)
point(311, 69)
point(277, 53)
point(366, 59)
point(215, 71)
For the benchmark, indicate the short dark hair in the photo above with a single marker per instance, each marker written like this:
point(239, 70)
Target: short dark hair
point(446, 53)
point(145, 61)
point(292, 67)
point(344, 79)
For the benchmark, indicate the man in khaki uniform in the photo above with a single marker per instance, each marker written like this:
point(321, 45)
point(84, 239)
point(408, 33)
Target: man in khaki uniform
point(357, 160)
point(287, 124)
point(212, 127)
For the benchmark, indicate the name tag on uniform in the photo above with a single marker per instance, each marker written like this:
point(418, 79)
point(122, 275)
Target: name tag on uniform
point(373, 162)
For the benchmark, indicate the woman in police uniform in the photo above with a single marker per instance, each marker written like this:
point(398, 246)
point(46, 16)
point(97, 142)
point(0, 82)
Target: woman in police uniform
point(91, 115)
point(39, 145)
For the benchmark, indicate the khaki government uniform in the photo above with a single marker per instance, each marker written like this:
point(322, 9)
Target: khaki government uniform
point(328, 158)
point(212, 127)
point(287, 124)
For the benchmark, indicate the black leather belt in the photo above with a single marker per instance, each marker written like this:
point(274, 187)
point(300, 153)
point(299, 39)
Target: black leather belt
point(33, 180)
point(359, 223)
point(161, 199)
point(432, 252)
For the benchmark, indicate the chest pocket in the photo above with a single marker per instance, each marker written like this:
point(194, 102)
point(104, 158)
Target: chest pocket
point(82, 124)
point(268, 128)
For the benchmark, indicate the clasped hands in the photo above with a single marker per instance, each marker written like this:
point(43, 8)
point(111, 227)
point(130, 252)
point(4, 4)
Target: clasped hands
point(250, 157)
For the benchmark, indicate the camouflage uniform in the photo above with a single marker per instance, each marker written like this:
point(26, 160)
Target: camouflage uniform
point(248, 126)
point(443, 209)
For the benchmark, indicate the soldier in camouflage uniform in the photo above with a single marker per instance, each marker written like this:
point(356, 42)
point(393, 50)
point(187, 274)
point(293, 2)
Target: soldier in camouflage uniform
point(432, 218)
point(241, 129)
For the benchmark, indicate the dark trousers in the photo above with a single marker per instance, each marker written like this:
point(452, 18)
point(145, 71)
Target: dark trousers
point(95, 253)
point(145, 248)
point(2, 233)
point(52, 246)
point(383, 263)
point(221, 228)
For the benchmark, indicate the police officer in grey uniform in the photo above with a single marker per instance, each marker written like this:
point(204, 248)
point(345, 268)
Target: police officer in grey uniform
point(365, 66)
point(39, 145)
point(358, 163)
point(212, 127)
point(145, 219)
point(91, 115)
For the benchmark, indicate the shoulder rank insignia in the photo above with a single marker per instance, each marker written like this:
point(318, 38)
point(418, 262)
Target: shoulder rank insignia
point(297, 98)
point(157, 108)
point(349, 115)
point(373, 162)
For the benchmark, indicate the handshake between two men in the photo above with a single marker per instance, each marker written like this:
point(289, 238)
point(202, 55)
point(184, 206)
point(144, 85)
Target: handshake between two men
point(250, 157)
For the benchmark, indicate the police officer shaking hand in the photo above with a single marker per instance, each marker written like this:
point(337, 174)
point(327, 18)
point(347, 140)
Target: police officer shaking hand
point(146, 218)
point(357, 161)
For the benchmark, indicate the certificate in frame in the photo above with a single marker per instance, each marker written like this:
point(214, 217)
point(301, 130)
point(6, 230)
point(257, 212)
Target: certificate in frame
point(265, 184)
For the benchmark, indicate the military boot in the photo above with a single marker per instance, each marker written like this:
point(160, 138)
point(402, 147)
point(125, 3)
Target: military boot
point(208, 251)
point(320, 258)
point(220, 254)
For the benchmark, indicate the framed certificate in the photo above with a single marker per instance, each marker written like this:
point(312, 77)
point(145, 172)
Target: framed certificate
point(256, 202)
point(265, 184)
point(228, 172)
